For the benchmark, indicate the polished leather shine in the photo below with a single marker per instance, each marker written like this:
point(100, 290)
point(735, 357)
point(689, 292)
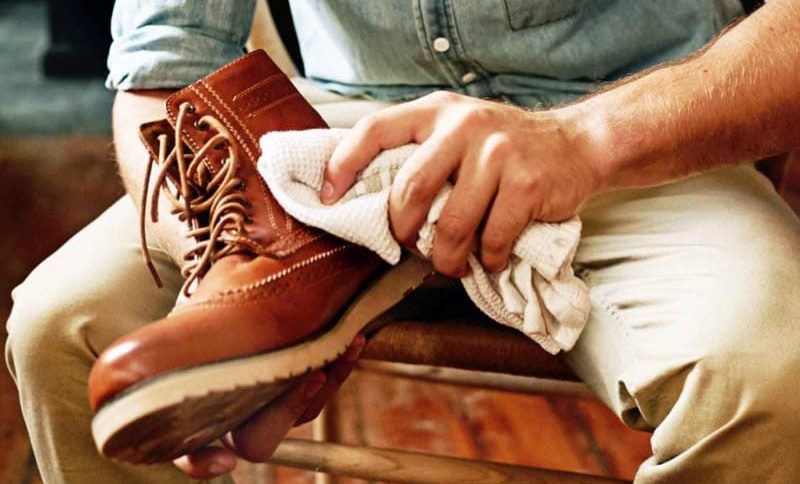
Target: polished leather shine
point(283, 282)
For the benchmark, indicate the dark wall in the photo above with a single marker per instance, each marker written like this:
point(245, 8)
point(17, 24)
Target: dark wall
point(80, 35)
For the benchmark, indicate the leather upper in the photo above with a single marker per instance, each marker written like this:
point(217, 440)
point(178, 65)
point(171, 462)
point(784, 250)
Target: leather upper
point(282, 282)
point(251, 97)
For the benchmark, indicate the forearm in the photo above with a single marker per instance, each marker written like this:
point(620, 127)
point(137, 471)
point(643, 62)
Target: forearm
point(736, 101)
point(131, 109)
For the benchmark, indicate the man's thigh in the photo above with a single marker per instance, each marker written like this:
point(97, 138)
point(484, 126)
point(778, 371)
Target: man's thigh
point(97, 279)
point(704, 268)
point(91, 291)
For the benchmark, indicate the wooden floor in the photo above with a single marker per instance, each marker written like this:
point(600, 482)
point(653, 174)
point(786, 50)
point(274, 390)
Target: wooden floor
point(555, 432)
point(50, 187)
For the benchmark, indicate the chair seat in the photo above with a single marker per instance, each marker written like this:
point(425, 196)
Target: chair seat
point(437, 325)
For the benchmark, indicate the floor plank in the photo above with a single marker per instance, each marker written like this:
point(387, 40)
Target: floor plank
point(523, 429)
point(556, 432)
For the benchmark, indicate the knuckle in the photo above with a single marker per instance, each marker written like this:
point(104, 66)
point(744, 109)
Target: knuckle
point(524, 184)
point(499, 145)
point(452, 227)
point(404, 233)
point(369, 125)
point(493, 262)
point(442, 96)
point(414, 188)
point(494, 242)
point(475, 117)
point(447, 266)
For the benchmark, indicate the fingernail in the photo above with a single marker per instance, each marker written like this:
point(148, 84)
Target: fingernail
point(326, 194)
point(355, 349)
point(315, 384)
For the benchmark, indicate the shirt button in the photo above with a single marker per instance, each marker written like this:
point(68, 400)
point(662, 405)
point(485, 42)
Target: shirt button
point(441, 44)
point(468, 77)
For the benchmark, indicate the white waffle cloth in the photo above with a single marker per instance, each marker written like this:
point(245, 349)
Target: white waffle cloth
point(538, 293)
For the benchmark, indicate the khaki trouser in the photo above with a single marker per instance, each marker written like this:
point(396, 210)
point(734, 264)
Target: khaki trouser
point(694, 332)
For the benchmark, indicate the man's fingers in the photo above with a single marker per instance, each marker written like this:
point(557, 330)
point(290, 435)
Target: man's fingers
point(509, 215)
point(207, 463)
point(418, 182)
point(337, 372)
point(463, 212)
point(258, 437)
point(389, 128)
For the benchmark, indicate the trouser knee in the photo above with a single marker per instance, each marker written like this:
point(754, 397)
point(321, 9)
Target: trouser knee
point(47, 337)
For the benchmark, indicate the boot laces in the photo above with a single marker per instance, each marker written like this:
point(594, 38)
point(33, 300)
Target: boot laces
point(210, 203)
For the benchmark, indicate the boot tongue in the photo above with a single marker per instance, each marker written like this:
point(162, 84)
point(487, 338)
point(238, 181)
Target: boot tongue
point(250, 97)
point(243, 101)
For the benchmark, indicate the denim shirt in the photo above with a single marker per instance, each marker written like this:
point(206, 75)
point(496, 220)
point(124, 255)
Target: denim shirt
point(528, 52)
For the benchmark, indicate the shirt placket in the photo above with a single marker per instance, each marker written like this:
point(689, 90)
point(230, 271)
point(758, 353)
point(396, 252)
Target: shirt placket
point(438, 32)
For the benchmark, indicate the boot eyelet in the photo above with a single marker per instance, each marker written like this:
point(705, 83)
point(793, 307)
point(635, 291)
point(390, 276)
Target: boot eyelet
point(200, 125)
point(241, 185)
point(248, 219)
point(189, 107)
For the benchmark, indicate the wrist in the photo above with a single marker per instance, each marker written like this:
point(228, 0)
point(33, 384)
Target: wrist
point(588, 127)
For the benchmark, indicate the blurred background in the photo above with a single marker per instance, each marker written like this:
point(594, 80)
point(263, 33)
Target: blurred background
point(56, 175)
point(55, 172)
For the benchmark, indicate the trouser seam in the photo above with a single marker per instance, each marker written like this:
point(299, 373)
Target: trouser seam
point(587, 276)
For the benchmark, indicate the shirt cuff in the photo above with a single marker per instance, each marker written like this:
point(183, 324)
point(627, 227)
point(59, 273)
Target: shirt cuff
point(163, 57)
point(162, 44)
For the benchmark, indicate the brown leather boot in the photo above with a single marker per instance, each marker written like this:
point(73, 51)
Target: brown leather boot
point(266, 288)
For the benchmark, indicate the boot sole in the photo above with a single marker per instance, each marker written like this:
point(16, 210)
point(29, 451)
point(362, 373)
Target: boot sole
point(179, 412)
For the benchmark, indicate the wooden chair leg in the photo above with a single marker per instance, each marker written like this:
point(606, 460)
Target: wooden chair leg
point(416, 468)
point(320, 432)
point(496, 381)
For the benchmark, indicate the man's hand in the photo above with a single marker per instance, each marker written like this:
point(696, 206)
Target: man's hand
point(510, 166)
point(733, 102)
point(257, 438)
